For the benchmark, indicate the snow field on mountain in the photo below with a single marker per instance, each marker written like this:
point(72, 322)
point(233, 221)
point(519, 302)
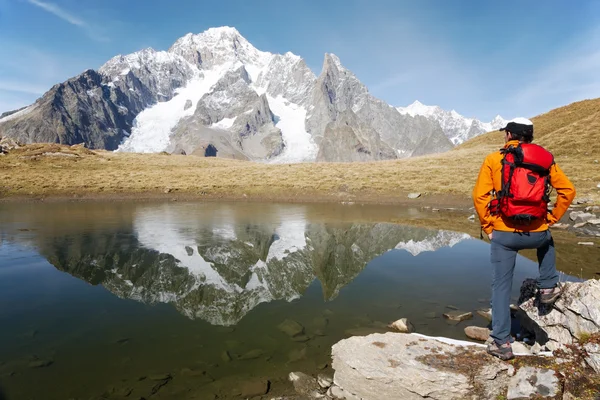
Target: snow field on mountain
point(299, 145)
point(152, 127)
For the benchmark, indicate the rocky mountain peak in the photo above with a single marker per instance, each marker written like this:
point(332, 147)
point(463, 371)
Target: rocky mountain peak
point(218, 46)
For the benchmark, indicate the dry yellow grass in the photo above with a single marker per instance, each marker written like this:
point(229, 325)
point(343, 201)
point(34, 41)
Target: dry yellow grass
point(571, 132)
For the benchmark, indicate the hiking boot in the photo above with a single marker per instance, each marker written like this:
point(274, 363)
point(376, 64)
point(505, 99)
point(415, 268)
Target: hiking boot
point(503, 351)
point(549, 296)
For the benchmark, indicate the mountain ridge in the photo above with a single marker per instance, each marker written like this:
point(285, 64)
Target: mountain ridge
point(179, 100)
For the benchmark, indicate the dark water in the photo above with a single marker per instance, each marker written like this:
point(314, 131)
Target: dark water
point(184, 301)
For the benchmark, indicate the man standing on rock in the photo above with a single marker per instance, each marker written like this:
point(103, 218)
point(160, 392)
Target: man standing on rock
point(511, 198)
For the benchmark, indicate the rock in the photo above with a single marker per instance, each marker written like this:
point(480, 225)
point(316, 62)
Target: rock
point(451, 307)
point(585, 243)
point(305, 384)
point(40, 363)
point(520, 348)
point(252, 354)
point(529, 381)
point(485, 313)
point(458, 315)
point(477, 333)
point(568, 396)
point(324, 381)
point(413, 367)
point(430, 315)
point(435, 209)
point(300, 338)
point(403, 325)
point(581, 201)
point(579, 225)
point(225, 356)
point(337, 392)
point(593, 356)
point(536, 348)
point(323, 366)
point(579, 216)
point(160, 377)
point(560, 226)
point(254, 388)
point(188, 104)
point(363, 331)
point(297, 355)
point(414, 195)
point(291, 328)
point(576, 312)
point(595, 221)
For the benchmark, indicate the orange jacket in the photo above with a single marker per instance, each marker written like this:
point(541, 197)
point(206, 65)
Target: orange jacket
point(490, 178)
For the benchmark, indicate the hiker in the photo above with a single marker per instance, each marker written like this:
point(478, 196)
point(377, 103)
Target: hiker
point(511, 197)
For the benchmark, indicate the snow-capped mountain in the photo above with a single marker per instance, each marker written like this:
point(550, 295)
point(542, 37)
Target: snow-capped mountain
point(456, 127)
point(214, 93)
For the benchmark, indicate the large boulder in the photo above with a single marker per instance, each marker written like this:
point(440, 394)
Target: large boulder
point(413, 366)
point(575, 315)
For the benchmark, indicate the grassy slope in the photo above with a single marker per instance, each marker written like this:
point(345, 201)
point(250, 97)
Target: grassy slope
point(571, 132)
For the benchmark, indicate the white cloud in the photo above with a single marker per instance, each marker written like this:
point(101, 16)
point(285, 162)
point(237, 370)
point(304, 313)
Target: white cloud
point(52, 8)
point(59, 12)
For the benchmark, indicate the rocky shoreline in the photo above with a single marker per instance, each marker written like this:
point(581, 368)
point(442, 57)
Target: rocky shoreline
point(412, 366)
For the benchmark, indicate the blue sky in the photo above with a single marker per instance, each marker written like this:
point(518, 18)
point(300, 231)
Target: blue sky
point(481, 58)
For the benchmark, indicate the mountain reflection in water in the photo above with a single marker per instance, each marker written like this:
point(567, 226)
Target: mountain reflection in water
point(218, 270)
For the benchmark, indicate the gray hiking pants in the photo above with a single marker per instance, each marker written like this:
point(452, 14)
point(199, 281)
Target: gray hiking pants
point(504, 248)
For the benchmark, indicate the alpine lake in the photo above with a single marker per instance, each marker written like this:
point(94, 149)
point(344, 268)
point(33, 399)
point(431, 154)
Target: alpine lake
point(187, 300)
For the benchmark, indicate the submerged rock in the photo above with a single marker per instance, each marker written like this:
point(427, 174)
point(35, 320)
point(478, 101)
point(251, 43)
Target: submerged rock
point(40, 363)
point(458, 315)
point(256, 387)
point(291, 328)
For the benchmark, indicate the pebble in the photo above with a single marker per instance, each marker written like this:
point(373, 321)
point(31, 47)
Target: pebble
point(458, 315)
point(586, 243)
point(324, 381)
point(414, 195)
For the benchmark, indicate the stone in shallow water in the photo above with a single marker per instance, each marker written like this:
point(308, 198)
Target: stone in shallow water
point(305, 384)
point(252, 354)
point(300, 338)
point(485, 313)
point(254, 388)
point(430, 315)
point(324, 381)
point(414, 195)
point(40, 363)
point(403, 325)
point(458, 315)
point(291, 328)
point(297, 355)
point(529, 381)
point(477, 333)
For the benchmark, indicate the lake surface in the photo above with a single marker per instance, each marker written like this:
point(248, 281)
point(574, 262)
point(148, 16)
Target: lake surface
point(187, 300)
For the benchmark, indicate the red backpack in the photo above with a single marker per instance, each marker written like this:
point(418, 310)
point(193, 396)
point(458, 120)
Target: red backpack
point(525, 190)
